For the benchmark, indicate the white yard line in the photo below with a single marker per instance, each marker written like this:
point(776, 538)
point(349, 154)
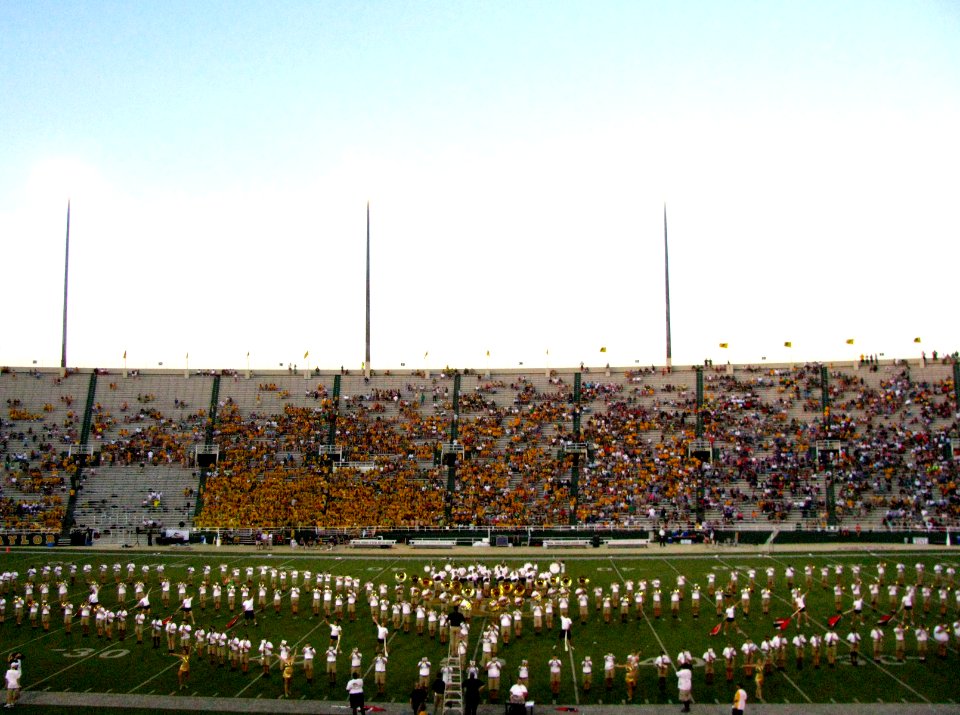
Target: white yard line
point(795, 686)
point(72, 665)
point(646, 618)
point(292, 648)
point(573, 671)
point(844, 642)
point(153, 677)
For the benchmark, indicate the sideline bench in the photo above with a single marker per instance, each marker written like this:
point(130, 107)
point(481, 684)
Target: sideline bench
point(627, 543)
point(566, 543)
point(432, 543)
point(372, 543)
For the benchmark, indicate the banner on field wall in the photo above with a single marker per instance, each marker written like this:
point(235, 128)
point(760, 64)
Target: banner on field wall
point(28, 539)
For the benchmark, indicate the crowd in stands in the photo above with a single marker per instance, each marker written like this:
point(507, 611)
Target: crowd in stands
point(520, 448)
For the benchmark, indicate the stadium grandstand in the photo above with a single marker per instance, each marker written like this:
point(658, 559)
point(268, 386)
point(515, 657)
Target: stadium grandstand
point(705, 452)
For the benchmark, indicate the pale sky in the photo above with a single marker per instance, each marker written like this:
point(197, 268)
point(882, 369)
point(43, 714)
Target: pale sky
point(517, 157)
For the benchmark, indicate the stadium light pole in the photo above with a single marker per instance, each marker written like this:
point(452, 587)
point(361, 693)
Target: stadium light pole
point(66, 274)
point(666, 282)
point(366, 361)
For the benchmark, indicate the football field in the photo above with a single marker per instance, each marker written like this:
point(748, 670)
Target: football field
point(611, 627)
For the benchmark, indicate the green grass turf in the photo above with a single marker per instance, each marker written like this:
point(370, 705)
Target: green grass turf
point(56, 661)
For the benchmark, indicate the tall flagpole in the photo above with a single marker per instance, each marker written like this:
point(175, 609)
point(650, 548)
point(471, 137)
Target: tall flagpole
point(366, 362)
point(66, 274)
point(666, 281)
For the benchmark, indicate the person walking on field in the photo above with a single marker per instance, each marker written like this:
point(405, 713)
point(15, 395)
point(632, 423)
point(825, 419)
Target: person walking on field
point(12, 682)
point(355, 692)
point(739, 701)
point(685, 685)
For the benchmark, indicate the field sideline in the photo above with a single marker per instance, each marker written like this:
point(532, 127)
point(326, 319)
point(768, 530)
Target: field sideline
point(68, 669)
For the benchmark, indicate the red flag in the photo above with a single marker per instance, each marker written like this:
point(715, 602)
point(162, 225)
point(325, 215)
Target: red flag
point(233, 621)
point(782, 623)
point(374, 709)
point(885, 619)
point(716, 629)
point(834, 620)
point(167, 620)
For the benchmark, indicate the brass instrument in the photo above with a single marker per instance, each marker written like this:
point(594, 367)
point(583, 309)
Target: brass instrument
point(566, 582)
point(400, 576)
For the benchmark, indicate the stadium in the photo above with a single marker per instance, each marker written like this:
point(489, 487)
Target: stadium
point(552, 511)
point(599, 490)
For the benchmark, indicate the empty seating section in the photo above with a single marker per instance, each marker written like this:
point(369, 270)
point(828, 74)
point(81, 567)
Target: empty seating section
point(41, 419)
point(517, 439)
point(152, 419)
point(124, 498)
